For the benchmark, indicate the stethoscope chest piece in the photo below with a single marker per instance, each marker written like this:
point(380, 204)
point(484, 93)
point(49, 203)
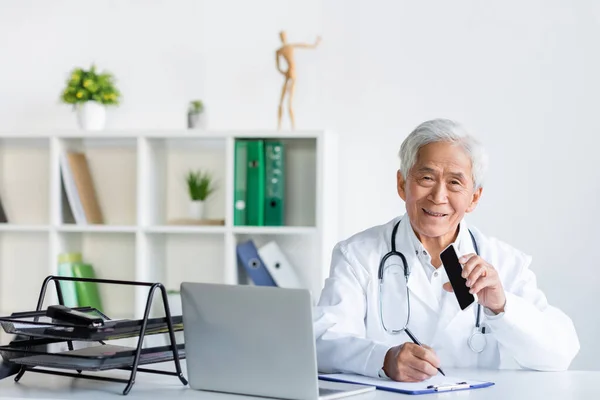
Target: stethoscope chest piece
point(477, 341)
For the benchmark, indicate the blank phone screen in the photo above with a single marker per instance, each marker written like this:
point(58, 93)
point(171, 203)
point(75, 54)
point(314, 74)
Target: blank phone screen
point(459, 284)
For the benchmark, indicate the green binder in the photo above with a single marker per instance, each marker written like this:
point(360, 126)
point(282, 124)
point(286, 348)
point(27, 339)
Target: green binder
point(274, 183)
point(239, 200)
point(255, 183)
point(87, 292)
point(65, 268)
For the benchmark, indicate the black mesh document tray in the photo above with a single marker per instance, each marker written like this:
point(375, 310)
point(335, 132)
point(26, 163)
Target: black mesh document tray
point(95, 358)
point(35, 323)
point(36, 330)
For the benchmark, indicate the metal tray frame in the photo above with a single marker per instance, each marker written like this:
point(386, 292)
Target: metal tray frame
point(134, 367)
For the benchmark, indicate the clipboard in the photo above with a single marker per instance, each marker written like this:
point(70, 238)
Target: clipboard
point(435, 384)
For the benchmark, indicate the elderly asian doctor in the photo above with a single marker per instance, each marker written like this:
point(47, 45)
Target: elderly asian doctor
point(440, 180)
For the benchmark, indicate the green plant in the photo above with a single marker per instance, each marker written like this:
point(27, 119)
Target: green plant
point(196, 107)
point(90, 85)
point(200, 185)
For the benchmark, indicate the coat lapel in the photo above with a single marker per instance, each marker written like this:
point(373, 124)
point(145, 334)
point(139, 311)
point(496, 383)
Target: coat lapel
point(449, 311)
point(419, 286)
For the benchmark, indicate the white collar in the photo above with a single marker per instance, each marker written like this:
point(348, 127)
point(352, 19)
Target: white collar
point(462, 237)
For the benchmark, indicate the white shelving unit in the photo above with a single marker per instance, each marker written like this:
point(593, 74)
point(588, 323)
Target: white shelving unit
point(139, 178)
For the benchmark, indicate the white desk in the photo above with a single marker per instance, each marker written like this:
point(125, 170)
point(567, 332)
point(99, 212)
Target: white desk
point(510, 385)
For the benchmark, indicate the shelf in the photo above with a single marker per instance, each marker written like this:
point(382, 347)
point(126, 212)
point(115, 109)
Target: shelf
point(97, 228)
point(139, 177)
point(91, 143)
point(275, 230)
point(250, 230)
point(163, 171)
point(112, 253)
point(24, 228)
point(158, 133)
point(112, 164)
point(25, 141)
point(24, 180)
point(24, 258)
point(175, 258)
point(185, 229)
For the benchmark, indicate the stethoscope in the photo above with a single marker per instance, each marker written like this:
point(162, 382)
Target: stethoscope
point(477, 341)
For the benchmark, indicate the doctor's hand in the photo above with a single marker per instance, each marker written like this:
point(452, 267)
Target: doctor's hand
point(483, 280)
point(410, 363)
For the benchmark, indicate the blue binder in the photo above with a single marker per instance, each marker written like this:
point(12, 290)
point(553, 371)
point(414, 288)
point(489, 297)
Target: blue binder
point(449, 384)
point(247, 255)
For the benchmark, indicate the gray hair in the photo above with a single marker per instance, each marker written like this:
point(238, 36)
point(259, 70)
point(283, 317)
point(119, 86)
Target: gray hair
point(443, 130)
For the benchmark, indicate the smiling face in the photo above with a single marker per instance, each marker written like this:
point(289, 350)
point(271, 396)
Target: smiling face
point(438, 191)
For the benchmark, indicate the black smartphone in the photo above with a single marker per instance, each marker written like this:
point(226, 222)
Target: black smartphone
point(454, 271)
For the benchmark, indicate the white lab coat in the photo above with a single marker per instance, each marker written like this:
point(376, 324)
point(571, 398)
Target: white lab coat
point(349, 337)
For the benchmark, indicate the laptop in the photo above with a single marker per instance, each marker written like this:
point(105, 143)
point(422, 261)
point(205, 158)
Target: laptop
point(254, 340)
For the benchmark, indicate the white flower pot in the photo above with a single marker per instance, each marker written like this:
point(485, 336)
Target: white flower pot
point(197, 209)
point(197, 121)
point(91, 116)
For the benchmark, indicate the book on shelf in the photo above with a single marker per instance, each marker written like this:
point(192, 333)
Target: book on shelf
point(259, 182)
point(279, 267)
point(249, 259)
point(239, 201)
point(3, 218)
point(79, 188)
point(274, 183)
point(65, 268)
point(77, 293)
point(267, 265)
point(88, 293)
point(255, 183)
point(68, 184)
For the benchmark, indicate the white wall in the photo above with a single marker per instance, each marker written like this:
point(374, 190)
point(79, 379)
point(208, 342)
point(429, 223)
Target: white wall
point(523, 76)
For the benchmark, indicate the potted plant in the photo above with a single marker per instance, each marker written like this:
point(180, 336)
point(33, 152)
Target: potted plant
point(196, 115)
point(200, 186)
point(90, 92)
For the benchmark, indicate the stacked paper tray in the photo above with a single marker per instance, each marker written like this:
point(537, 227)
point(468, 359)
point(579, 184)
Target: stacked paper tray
point(36, 324)
point(96, 358)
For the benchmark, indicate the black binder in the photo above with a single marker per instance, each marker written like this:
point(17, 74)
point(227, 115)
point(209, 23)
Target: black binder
point(3, 218)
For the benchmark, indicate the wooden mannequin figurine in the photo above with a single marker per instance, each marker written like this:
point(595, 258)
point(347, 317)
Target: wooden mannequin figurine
point(287, 52)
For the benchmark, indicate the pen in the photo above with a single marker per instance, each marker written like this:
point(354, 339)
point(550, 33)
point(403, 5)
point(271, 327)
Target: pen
point(414, 339)
point(444, 388)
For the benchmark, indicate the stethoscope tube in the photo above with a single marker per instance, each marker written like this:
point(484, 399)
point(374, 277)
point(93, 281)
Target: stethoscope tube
point(479, 331)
